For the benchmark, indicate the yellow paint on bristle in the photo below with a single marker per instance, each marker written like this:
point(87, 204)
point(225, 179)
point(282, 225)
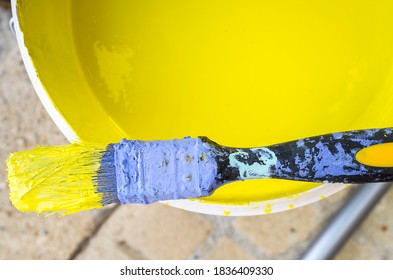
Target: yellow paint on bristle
point(380, 155)
point(55, 179)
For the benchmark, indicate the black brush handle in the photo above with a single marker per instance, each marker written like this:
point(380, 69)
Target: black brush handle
point(327, 158)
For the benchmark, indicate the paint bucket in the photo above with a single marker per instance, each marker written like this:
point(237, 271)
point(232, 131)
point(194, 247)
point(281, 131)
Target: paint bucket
point(244, 73)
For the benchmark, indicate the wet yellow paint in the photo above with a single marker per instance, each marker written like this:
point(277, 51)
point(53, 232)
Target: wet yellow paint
point(243, 72)
point(55, 179)
point(380, 155)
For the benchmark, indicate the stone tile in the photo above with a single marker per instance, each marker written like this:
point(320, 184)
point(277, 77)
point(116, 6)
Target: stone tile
point(378, 226)
point(6, 38)
point(227, 249)
point(280, 232)
point(105, 246)
point(109, 242)
point(374, 238)
point(24, 124)
point(154, 232)
point(27, 236)
point(358, 248)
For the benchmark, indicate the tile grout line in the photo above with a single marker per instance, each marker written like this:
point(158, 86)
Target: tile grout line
point(131, 251)
point(227, 229)
point(208, 243)
point(86, 240)
point(246, 244)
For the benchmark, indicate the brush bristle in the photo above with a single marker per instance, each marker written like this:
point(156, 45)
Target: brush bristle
point(65, 179)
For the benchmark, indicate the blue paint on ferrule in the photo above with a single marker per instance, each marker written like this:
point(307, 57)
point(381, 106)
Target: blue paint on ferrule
point(150, 171)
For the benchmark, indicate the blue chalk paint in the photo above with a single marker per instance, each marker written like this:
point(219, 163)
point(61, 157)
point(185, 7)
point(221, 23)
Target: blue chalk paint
point(149, 171)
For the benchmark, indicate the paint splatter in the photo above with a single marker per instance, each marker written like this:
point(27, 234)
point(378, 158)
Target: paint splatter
point(268, 208)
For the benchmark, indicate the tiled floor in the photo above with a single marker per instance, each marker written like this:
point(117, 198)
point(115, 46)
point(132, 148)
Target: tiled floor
point(156, 231)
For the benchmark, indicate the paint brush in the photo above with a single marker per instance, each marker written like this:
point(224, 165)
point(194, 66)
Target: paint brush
point(83, 176)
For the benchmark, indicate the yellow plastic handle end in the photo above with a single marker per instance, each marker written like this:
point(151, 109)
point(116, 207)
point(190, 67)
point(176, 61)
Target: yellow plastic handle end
point(379, 155)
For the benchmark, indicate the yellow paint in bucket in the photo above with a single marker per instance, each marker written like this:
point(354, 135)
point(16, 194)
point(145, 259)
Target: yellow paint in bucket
point(244, 73)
